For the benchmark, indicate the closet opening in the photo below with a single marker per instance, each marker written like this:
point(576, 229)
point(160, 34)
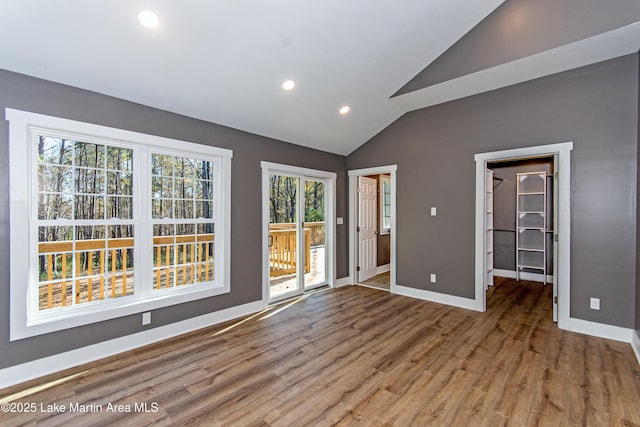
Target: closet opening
point(520, 216)
point(542, 232)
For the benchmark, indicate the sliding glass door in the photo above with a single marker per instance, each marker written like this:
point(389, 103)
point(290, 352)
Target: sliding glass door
point(297, 234)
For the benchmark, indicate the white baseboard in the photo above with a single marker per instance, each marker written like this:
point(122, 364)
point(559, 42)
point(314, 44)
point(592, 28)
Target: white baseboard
point(511, 274)
point(344, 281)
point(601, 330)
point(455, 301)
point(595, 329)
point(59, 362)
point(635, 344)
point(383, 269)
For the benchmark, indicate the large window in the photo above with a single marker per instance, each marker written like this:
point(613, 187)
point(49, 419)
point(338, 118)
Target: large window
point(117, 222)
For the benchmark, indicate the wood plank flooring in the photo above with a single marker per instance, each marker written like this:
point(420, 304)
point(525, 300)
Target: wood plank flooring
point(357, 356)
point(380, 281)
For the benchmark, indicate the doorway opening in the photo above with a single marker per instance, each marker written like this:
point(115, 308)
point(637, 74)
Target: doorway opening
point(520, 224)
point(298, 232)
point(372, 232)
point(536, 238)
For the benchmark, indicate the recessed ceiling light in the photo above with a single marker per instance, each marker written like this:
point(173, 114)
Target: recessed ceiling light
point(344, 110)
point(148, 19)
point(288, 85)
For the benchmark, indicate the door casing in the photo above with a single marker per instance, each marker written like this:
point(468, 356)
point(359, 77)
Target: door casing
point(353, 212)
point(563, 221)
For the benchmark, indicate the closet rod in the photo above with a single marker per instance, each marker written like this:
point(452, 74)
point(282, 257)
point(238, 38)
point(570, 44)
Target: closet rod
point(513, 230)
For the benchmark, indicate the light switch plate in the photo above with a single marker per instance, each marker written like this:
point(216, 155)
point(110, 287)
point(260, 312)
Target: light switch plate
point(339, 220)
point(433, 211)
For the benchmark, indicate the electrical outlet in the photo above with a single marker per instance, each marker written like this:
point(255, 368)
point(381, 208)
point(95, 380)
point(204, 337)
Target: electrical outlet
point(146, 318)
point(433, 211)
point(432, 278)
point(595, 304)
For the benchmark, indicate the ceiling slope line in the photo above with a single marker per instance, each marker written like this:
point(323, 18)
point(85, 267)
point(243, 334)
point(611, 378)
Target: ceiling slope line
point(605, 46)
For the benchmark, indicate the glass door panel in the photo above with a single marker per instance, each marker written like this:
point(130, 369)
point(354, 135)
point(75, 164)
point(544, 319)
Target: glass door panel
point(315, 235)
point(283, 236)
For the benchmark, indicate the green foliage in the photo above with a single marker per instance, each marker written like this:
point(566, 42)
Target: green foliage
point(314, 215)
point(283, 191)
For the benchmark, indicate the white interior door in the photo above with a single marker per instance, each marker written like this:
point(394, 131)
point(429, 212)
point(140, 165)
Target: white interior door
point(367, 232)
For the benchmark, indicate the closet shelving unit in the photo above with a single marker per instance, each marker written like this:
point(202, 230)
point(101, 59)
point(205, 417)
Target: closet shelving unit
point(489, 229)
point(531, 223)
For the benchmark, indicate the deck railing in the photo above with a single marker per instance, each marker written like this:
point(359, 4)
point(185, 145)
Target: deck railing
point(104, 268)
point(316, 228)
point(283, 254)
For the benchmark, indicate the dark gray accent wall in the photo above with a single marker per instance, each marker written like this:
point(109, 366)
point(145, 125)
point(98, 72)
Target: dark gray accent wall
point(596, 107)
point(39, 96)
point(519, 28)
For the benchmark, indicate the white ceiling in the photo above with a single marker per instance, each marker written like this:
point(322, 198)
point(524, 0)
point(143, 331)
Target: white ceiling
point(224, 60)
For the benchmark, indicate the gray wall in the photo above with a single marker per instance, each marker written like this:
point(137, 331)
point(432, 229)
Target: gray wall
point(25, 93)
point(596, 107)
point(519, 28)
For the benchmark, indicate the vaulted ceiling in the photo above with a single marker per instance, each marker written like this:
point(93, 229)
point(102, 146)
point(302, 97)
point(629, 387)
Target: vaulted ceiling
point(225, 61)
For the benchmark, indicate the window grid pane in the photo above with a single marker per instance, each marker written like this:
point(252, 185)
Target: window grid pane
point(183, 251)
point(183, 254)
point(79, 264)
point(386, 205)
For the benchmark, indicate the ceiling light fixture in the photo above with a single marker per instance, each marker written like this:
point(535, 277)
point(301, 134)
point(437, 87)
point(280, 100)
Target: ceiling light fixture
point(344, 110)
point(288, 85)
point(148, 19)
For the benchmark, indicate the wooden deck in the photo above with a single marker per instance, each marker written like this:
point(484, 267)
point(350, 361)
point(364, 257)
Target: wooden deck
point(360, 356)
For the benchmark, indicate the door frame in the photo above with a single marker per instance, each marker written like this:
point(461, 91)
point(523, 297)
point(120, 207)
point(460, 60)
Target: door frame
point(353, 219)
point(563, 196)
point(269, 168)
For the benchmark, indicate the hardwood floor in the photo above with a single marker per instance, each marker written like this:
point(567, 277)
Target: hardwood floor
point(357, 355)
point(381, 281)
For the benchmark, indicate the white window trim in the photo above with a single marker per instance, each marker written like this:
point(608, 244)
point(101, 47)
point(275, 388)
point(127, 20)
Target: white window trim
point(384, 231)
point(21, 125)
